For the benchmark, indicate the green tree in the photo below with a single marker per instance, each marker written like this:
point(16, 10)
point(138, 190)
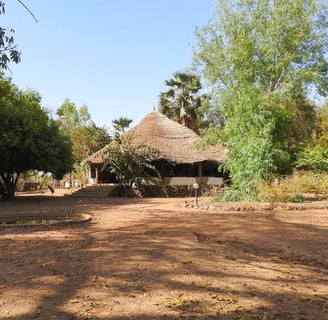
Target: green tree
point(121, 124)
point(314, 158)
point(258, 56)
point(8, 49)
point(303, 120)
point(321, 126)
point(87, 140)
point(129, 160)
point(181, 102)
point(30, 139)
point(71, 117)
point(86, 137)
point(314, 153)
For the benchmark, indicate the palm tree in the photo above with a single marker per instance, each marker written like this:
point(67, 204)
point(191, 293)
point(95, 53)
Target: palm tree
point(181, 102)
point(121, 124)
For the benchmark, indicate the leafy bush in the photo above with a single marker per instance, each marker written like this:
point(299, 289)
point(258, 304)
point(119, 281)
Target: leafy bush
point(232, 194)
point(277, 191)
point(130, 161)
point(293, 188)
point(315, 157)
point(297, 198)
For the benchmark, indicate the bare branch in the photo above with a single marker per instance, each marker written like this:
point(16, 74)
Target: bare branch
point(29, 11)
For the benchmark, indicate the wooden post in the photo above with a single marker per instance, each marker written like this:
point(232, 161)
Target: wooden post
point(97, 175)
point(89, 173)
point(200, 174)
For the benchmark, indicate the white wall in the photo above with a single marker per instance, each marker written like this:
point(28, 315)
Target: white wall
point(189, 181)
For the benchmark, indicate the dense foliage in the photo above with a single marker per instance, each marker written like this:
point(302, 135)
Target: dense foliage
point(121, 124)
point(182, 101)
point(314, 154)
point(314, 157)
point(86, 136)
point(30, 139)
point(260, 57)
point(129, 161)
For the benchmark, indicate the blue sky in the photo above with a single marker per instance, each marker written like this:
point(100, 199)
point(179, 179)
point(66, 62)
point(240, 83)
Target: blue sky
point(113, 55)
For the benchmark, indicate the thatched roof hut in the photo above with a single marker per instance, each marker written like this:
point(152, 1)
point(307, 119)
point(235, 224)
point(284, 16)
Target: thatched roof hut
point(175, 142)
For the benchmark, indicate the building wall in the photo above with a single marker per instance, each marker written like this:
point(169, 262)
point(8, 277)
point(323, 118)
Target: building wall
point(188, 181)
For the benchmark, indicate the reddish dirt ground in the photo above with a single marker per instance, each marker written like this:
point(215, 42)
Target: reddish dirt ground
point(161, 258)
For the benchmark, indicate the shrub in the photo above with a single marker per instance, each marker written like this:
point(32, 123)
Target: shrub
point(294, 188)
point(297, 198)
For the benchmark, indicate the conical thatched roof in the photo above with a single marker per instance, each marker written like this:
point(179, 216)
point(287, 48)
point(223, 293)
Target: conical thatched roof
point(175, 142)
point(97, 157)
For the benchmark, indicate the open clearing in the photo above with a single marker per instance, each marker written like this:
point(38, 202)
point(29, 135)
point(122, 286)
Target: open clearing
point(158, 258)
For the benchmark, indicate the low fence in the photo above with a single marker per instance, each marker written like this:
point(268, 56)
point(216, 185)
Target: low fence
point(31, 186)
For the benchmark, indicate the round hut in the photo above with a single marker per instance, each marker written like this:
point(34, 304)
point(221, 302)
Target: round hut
point(181, 162)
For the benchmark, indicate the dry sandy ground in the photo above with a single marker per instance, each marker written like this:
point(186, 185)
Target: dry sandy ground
point(163, 259)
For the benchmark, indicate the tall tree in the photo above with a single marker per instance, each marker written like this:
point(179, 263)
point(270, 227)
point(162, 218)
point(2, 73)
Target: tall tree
point(321, 128)
point(87, 140)
point(30, 140)
point(85, 136)
point(181, 102)
point(71, 117)
point(258, 56)
point(314, 153)
point(121, 124)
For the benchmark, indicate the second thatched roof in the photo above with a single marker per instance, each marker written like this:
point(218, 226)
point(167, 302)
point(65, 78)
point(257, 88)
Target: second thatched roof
point(175, 142)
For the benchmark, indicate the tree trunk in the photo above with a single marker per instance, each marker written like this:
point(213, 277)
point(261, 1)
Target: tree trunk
point(190, 123)
point(9, 184)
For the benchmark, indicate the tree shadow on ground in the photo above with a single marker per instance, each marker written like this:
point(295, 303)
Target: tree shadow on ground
point(184, 266)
